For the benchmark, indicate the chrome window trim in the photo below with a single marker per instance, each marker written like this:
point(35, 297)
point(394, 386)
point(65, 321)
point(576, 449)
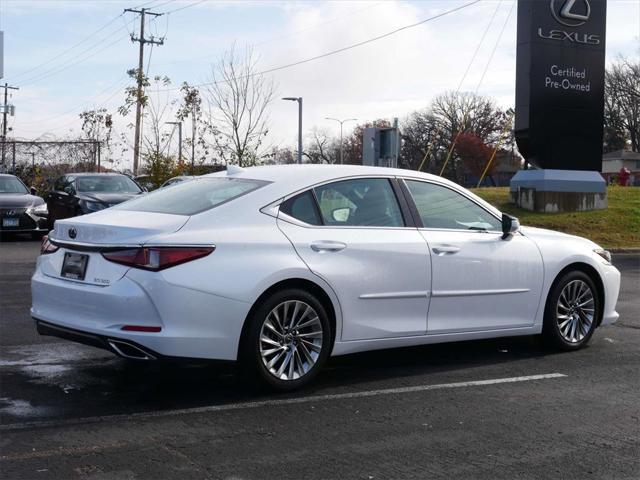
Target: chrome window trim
point(273, 209)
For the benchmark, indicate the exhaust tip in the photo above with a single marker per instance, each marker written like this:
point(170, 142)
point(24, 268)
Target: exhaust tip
point(128, 350)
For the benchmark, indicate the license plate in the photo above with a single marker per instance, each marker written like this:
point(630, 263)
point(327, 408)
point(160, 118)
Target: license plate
point(74, 266)
point(10, 222)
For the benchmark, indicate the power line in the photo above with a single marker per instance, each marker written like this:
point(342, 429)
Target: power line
point(475, 53)
point(182, 8)
point(495, 47)
point(287, 35)
point(64, 52)
point(343, 49)
point(73, 63)
point(119, 83)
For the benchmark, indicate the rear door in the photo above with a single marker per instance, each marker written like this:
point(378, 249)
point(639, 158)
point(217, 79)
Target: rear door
point(353, 234)
point(480, 281)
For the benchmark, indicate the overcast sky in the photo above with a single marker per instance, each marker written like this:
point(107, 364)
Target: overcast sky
point(386, 78)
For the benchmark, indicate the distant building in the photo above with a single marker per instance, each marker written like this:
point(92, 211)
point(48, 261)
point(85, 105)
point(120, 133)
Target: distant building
point(612, 163)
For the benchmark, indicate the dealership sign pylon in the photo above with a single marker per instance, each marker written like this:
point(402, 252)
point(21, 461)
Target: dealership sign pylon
point(560, 70)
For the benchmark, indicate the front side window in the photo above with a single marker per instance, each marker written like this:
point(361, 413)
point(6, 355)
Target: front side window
point(363, 202)
point(60, 184)
point(441, 207)
point(11, 185)
point(190, 198)
point(107, 184)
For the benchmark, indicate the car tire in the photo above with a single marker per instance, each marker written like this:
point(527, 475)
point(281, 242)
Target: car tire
point(572, 311)
point(287, 340)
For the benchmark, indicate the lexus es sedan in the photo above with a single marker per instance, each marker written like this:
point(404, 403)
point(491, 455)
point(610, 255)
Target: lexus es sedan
point(21, 211)
point(281, 267)
point(76, 194)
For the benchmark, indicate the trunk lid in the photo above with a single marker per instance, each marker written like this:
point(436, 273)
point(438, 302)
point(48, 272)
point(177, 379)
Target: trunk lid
point(109, 228)
point(116, 227)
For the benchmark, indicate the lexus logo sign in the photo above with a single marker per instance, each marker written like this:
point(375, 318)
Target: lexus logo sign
point(571, 13)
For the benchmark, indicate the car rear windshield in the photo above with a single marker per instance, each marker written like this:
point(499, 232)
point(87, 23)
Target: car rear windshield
point(195, 196)
point(11, 185)
point(107, 184)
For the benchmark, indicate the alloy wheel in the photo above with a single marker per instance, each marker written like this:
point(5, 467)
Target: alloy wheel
point(291, 340)
point(575, 311)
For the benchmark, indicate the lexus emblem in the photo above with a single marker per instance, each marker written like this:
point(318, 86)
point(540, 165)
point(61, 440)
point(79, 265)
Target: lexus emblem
point(571, 13)
point(72, 232)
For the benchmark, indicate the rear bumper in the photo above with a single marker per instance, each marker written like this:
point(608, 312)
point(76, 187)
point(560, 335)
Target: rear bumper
point(114, 345)
point(193, 324)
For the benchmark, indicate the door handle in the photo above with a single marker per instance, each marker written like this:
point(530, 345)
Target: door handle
point(446, 250)
point(327, 246)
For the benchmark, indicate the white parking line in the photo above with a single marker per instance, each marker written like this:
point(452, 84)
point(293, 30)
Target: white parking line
point(278, 402)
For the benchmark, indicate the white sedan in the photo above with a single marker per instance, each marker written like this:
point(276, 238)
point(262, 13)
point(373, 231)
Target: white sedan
point(280, 267)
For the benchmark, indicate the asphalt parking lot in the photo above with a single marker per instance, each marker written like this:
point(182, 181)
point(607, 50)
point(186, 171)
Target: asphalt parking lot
point(486, 409)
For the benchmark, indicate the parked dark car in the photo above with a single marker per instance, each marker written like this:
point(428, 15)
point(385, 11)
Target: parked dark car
point(145, 181)
point(20, 209)
point(76, 194)
point(176, 180)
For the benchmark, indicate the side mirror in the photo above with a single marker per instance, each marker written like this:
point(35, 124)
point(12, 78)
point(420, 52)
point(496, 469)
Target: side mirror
point(341, 214)
point(68, 190)
point(33, 190)
point(510, 225)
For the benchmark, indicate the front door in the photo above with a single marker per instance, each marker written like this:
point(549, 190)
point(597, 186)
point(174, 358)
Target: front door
point(352, 233)
point(480, 281)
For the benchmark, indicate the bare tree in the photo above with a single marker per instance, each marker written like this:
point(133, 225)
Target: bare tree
point(97, 126)
point(158, 110)
point(238, 99)
point(452, 114)
point(191, 107)
point(622, 104)
point(322, 147)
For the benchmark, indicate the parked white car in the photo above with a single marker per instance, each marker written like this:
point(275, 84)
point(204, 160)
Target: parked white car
point(280, 267)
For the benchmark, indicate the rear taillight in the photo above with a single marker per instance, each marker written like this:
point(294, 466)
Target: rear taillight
point(156, 258)
point(46, 246)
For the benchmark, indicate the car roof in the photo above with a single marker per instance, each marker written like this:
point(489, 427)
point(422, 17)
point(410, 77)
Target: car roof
point(288, 179)
point(7, 175)
point(297, 176)
point(86, 174)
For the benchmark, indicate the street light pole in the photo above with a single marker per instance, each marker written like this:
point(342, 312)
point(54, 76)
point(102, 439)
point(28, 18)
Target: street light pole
point(179, 124)
point(299, 100)
point(341, 122)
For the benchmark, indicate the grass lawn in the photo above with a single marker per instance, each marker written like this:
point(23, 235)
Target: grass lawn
point(616, 227)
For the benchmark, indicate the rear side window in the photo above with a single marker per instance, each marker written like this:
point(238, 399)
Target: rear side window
point(190, 198)
point(363, 202)
point(302, 207)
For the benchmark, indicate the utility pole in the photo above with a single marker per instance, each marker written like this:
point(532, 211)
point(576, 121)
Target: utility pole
point(179, 124)
point(5, 111)
point(99, 153)
point(140, 76)
point(299, 100)
point(341, 122)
